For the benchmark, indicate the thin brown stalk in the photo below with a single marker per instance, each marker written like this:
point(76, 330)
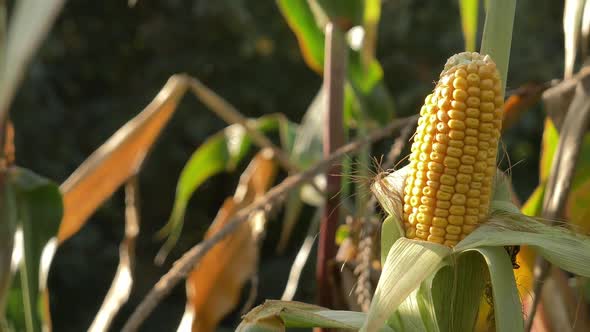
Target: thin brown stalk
point(561, 175)
point(334, 72)
point(120, 289)
point(192, 257)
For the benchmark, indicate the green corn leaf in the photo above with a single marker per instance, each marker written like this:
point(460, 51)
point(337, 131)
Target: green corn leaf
point(40, 208)
point(7, 227)
point(457, 290)
point(221, 152)
point(469, 17)
point(29, 24)
point(408, 263)
point(277, 315)
point(507, 306)
point(558, 245)
point(346, 13)
point(309, 35)
point(307, 20)
point(534, 205)
point(308, 146)
point(497, 34)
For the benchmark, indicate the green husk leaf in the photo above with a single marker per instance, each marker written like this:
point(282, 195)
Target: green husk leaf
point(507, 306)
point(389, 190)
point(457, 290)
point(409, 313)
point(427, 307)
point(408, 263)
point(391, 231)
point(560, 246)
point(277, 315)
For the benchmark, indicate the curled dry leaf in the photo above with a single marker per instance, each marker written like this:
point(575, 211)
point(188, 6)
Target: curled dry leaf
point(214, 286)
point(116, 160)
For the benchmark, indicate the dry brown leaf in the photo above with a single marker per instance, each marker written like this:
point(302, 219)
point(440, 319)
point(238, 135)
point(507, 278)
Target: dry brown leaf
point(116, 160)
point(214, 286)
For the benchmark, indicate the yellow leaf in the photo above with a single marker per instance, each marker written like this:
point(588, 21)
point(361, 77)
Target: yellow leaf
point(214, 286)
point(116, 160)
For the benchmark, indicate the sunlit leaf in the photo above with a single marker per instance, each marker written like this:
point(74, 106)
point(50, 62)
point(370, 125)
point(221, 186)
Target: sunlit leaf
point(575, 209)
point(558, 245)
point(365, 77)
point(389, 190)
point(214, 286)
point(221, 152)
point(496, 40)
point(28, 26)
point(408, 263)
point(372, 13)
point(39, 206)
point(469, 18)
point(277, 315)
point(116, 160)
point(534, 205)
point(520, 101)
point(310, 36)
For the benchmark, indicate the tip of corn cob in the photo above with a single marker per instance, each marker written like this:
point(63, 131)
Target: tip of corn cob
point(453, 159)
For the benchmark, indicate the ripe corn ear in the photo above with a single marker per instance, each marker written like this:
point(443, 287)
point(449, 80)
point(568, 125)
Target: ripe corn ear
point(453, 156)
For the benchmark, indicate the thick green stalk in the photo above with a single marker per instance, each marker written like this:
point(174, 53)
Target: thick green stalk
point(497, 34)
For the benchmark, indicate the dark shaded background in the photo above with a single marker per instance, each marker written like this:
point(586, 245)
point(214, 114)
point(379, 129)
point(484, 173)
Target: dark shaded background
point(103, 62)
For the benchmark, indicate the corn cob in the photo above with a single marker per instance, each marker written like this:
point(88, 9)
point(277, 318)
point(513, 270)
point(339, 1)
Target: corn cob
point(453, 156)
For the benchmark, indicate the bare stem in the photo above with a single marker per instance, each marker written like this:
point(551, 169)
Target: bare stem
point(120, 289)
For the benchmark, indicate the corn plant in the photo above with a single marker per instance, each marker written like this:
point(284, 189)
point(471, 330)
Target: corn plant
point(448, 242)
point(450, 214)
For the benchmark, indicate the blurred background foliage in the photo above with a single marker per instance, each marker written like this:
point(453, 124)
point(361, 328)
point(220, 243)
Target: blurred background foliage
point(104, 61)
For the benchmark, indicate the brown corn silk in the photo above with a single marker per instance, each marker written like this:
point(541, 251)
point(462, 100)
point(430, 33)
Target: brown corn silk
point(453, 156)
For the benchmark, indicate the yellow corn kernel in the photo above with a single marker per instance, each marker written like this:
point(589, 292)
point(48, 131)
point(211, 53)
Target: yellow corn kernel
point(437, 231)
point(455, 220)
point(453, 157)
point(461, 188)
point(444, 205)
